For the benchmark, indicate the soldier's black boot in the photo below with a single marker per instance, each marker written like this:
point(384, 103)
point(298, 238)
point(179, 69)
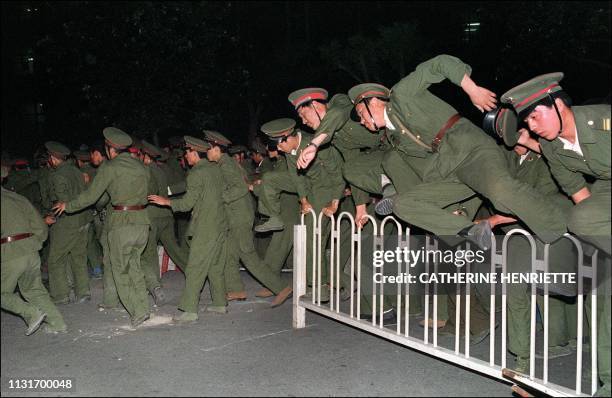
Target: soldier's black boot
point(480, 234)
point(384, 207)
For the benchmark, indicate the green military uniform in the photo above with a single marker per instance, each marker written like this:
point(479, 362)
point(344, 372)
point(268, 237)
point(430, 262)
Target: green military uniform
point(362, 150)
point(68, 236)
point(590, 219)
point(206, 233)
point(463, 162)
point(240, 213)
point(25, 182)
point(21, 263)
point(125, 180)
point(42, 176)
point(320, 184)
point(532, 169)
point(280, 245)
point(94, 249)
point(162, 226)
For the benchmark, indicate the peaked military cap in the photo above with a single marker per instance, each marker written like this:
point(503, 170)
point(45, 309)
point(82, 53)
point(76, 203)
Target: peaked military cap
point(299, 97)
point(278, 128)
point(526, 95)
point(82, 155)
point(502, 122)
point(368, 90)
point(237, 149)
point(216, 138)
point(196, 144)
point(150, 149)
point(116, 138)
point(259, 147)
point(57, 149)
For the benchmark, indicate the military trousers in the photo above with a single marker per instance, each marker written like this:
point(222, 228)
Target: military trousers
point(322, 193)
point(363, 172)
point(562, 316)
point(207, 258)
point(591, 220)
point(162, 230)
point(241, 246)
point(467, 163)
point(281, 244)
point(110, 297)
point(68, 254)
point(94, 250)
point(126, 244)
point(404, 171)
point(24, 272)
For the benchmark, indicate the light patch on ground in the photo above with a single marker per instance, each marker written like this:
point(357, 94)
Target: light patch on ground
point(250, 339)
point(155, 320)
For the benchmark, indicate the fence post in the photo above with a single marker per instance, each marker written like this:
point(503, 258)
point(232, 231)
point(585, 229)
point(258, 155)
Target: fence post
point(299, 275)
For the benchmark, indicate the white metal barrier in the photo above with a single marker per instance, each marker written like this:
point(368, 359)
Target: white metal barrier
point(400, 334)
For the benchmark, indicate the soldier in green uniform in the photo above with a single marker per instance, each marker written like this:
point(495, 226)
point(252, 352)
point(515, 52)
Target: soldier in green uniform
point(94, 249)
point(530, 167)
point(576, 144)
point(162, 226)
point(241, 215)
point(126, 180)
point(23, 232)
point(239, 153)
point(68, 235)
point(103, 207)
point(319, 187)
point(281, 243)
point(460, 159)
point(362, 150)
point(207, 231)
point(22, 180)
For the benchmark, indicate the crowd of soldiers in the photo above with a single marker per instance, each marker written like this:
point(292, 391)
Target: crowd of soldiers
point(542, 164)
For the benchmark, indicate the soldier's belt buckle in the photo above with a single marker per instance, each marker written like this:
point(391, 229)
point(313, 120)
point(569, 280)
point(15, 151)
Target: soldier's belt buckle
point(435, 144)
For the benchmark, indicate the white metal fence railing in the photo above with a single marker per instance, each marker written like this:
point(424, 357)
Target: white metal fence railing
point(495, 363)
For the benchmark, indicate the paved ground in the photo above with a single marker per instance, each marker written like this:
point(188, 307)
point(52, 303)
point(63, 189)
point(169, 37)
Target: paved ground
point(250, 351)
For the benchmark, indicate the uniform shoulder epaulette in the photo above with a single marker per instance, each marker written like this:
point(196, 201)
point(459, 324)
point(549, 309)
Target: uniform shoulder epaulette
point(602, 124)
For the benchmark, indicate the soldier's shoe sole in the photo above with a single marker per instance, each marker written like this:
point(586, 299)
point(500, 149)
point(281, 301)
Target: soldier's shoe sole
point(282, 296)
point(49, 330)
point(36, 324)
point(556, 352)
point(384, 207)
point(262, 228)
point(139, 321)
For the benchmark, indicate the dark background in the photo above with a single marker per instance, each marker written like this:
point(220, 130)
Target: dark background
point(157, 69)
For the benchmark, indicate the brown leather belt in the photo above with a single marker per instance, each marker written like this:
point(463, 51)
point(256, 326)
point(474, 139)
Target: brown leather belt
point(438, 138)
point(124, 208)
point(13, 238)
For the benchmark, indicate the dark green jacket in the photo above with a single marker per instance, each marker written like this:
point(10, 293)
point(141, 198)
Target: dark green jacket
point(203, 198)
point(66, 182)
point(18, 217)
point(568, 167)
point(158, 185)
point(234, 179)
point(323, 174)
point(126, 180)
point(415, 112)
point(348, 136)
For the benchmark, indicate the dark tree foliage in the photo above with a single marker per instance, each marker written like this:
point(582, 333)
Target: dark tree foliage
point(172, 68)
